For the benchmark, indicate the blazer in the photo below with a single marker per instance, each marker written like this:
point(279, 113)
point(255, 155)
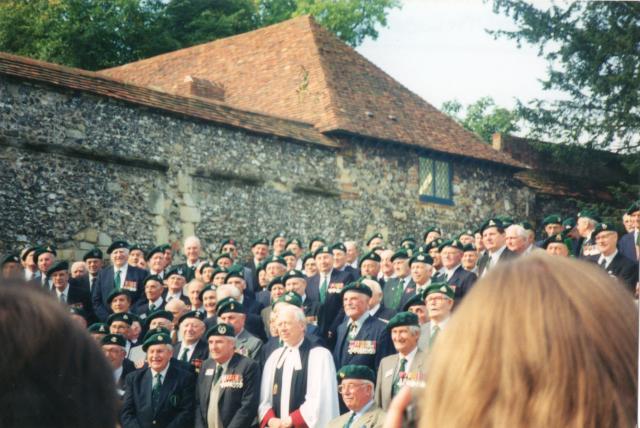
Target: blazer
point(384, 314)
point(78, 296)
point(372, 418)
point(370, 346)
point(248, 345)
point(625, 270)
point(393, 293)
point(461, 281)
point(127, 367)
point(104, 285)
point(176, 404)
point(627, 247)
point(386, 370)
point(313, 283)
point(484, 260)
point(201, 353)
point(238, 400)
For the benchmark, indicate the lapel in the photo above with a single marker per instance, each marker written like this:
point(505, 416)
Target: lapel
point(342, 332)
point(362, 332)
point(417, 362)
point(168, 385)
point(387, 381)
point(145, 384)
point(208, 380)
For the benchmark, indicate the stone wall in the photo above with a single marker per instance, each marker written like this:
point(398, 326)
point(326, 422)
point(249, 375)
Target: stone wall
point(80, 170)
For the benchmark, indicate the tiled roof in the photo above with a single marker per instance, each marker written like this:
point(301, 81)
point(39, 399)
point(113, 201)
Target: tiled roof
point(299, 70)
point(206, 109)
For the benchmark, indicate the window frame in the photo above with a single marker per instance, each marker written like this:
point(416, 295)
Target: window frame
point(436, 199)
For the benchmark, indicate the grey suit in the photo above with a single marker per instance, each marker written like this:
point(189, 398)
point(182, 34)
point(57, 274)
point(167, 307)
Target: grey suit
point(372, 418)
point(384, 381)
point(248, 345)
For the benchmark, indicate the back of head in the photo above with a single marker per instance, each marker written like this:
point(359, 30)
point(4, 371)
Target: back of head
point(539, 342)
point(51, 372)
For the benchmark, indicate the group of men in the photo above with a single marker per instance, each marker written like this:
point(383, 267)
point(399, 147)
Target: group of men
point(288, 338)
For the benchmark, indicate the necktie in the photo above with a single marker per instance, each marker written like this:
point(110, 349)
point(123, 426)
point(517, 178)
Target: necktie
point(603, 263)
point(45, 281)
point(350, 421)
point(62, 298)
point(218, 374)
point(434, 334)
point(117, 281)
point(352, 330)
point(152, 307)
point(396, 379)
point(92, 283)
point(184, 355)
point(323, 289)
point(155, 390)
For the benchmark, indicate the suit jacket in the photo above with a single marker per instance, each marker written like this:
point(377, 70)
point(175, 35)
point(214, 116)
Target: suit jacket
point(372, 418)
point(104, 285)
point(370, 346)
point(199, 354)
point(384, 314)
point(461, 281)
point(625, 270)
point(484, 260)
point(248, 345)
point(627, 247)
point(183, 297)
point(141, 308)
point(333, 301)
point(384, 380)
point(238, 400)
point(176, 404)
point(254, 275)
point(127, 367)
point(78, 296)
point(409, 292)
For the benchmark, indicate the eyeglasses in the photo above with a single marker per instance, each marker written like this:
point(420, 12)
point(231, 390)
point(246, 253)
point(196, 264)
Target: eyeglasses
point(349, 387)
point(436, 299)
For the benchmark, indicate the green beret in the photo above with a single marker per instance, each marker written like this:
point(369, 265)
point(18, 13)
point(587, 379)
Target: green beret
point(56, 267)
point(121, 316)
point(42, 250)
point(166, 247)
point(433, 244)
point(279, 234)
point(274, 259)
point(604, 227)
point(114, 339)
point(260, 241)
point(287, 253)
point(339, 246)
point(118, 292)
point(414, 301)
point(154, 250)
point(228, 241)
point(494, 222)
point(353, 371)
point(569, 223)
point(526, 225)
point(156, 339)
point(229, 304)
point(294, 273)
point(316, 239)
point(467, 232)
point(558, 238)
point(469, 247)
point(374, 236)
point(439, 287)
point(175, 270)
point(431, 229)
point(26, 252)
point(205, 265)
point(306, 257)
point(221, 329)
point(116, 245)
point(357, 287)
point(589, 214)
point(98, 328)
point(151, 278)
point(158, 313)
point(205, 289)
point(403, 318)
point(234, 274)
point(74, 310)
point(222, 256)
point(421, 258)
point(261, 266)
point(371, 255)
point(633, 208)
point(294, 241)
point(157, 330)
point(552, 219)
point(219, 269)
point(506, 220)
point(192, 314)
point(95, 253)
point(10, 258)
point(400, 254)
point(325, 249)
point(136, 247)
point(408, 239)
point(453, 243)
point(274, 281)
point(290, 297)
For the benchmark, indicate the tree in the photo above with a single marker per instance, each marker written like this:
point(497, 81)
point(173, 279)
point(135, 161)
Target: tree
point(593, 52)
point(483, 117)
point(96, 34)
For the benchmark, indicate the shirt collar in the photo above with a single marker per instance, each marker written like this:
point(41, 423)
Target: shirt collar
point(373, 310)
point(364, 410)
point(157, 302)
point(607, 258)
point(360, 320)
point(163, 372)
point(495, 256)
point(450, 273)
point(409, 357)
point(441, 324)
point(117, 373)
point(65, 291)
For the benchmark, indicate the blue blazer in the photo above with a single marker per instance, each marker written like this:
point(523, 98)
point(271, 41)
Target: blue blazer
point(104, 285)
point(462, 280)
point(627, 247)
point(372, 330)
point(176, 406)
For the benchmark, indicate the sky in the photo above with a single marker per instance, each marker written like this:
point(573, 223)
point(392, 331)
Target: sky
point(439, 49)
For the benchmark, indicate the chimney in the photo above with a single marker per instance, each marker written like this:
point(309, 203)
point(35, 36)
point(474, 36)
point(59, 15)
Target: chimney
point(496, 141)
point(203, 88)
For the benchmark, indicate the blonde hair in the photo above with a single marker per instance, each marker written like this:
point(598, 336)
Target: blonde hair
point(539, 342)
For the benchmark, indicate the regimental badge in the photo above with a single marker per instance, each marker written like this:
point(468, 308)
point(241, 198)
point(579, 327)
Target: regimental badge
point(492, 223)
point(114, 339)
point(443, 289)
point(222, 329)
point(160, 338)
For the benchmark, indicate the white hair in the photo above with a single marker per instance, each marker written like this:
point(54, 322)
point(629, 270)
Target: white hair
point(373, 285)
point(350, 244)
point(518, 230)
point(193, 281)
point(415, 330)
point(192, 240)
point(227, 290)
point(297, 312)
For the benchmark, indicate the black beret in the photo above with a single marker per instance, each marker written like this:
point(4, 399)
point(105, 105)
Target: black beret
point(294, 241)
point(353, 371)
point(58, 266)
point(136, 247)
point(374, 236)
point(115, 245)
point(453, 243)
point(287, 253)
point(279, 234)
point(234, 274)
point(431, 229)
point(305, 257)
point(151, 278)
point(27, 251)
point(494, 222)
point(221, 329)
point(414, 301)
point(358, 287)
point(42, 250)
point(402, 253)
point(121, 316)
point(294, 273)
point(175, 270)
point(403, 318)
point(118, 292)
point(157, 330)
point(229, 305)
point(316, 239)
point(633, 208)
point(95, 253)
point(114, 339)
point(154, 250)
point(156, 339)
point(469, 247)
point(371, 255)
point(159, 313)
point(260, 241)
point(339, 246)
point(222, 256)
point(325, 249)
point(192, 314)
point(74, 310)
point(205, 289)
point(275, 280)
point(10, 258)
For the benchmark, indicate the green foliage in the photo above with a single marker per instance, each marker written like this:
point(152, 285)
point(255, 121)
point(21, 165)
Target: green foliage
point(483, 117)
point(96, 34)
point(593, 52)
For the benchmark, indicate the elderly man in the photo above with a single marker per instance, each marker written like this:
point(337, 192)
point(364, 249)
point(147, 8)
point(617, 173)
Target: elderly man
point(455, 275)
point(558, 245)
point(298, 385)
point(612, 260)
point(370, 266)
point(296, 281)
point(386, 272)
point(587, 221)
point(177, 308)
point(375, 241)
point(439, 298)
point(228, 389)
point(407, 366)
point(155, 261)
point(68, 290)
point(416, 305)
point(552, 225)
point(517, 239)
point(194, 288)
point(113, 346)
point(253, 321)
point(93, 261)
point(161, 395)
point(494, 241)
point(136, 256)
point(357, 389)
point(119, 275)
point(377, 308)
point(192, 251)
point(340, 261)
point(470, 258)
point(45, 257)
point(629, 241)
point(176, 278)
point(352, 253)
point(327, 279)
point(259, 251)
point(153, 301)
point(231, 311)
point(31, 272)
point(155, 320)
point(11, 268)
point(431, 234)
point(396, 286)
point(78, 269)
point(120, 323)
point(192, 349)
point(421, 266)
point(236, 279)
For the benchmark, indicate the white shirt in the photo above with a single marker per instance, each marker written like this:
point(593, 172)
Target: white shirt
point(360, 412)
point(189, 348)
point(373, 310)
point(123, 273)
point(163, 373)
point(64, 292)
point(409, 357)
point(358, 322)
point(607, 259)
point(171, 296)
point(327, 276)
point(440, 325)
point(117, 373)
point(449, 272)
point(157, 303)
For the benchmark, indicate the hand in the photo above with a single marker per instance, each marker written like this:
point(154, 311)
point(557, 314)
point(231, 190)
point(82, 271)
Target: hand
point(275, 423)
point(287, 423)
point(397, 407)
